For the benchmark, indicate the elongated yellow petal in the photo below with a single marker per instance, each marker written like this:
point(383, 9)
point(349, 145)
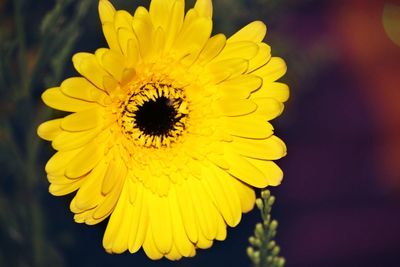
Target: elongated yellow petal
point(83, 120)
point(278, 91)
point(212, 48)
point(269, 108)
point(89, 195)
point(122, 19)
point(49, 129)
point(181, 240)
point(272, 172)
point(54, 98)
point(235, 107)
point(204, 8)
point(271, 148)
point(116, 236)
point(240, 87)
point(140, 222)
point(149, 246)
point(85, 160)
point(116, 170)
point(175, 22)
point(254, 31)
point(246, 195)
point(160, 220)
point(221, 195)
point(243, 49)
point(255, 127)
point(272, 71)
point(106, 11)
point(81, 88)
point(108, 205)
point(242, 169)
point(187, 210)
point(192, 39)
point(114, 63)
point(64, 189)
point(262, 57)
point(143, 28)
point(73, 140)
point(57, 163)
point(159, 12)
point(88, 66)
point(233, 67)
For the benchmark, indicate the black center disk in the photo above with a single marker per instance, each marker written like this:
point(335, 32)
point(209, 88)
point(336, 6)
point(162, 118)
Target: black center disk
point(156, 117)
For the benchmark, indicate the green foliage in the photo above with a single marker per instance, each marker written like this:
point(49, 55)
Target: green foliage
point(264, 252)
point(30, 60)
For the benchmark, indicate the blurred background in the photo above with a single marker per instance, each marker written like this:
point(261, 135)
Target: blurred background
point(339, 204)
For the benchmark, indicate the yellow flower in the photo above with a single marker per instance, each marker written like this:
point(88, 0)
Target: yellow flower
point(169, 131)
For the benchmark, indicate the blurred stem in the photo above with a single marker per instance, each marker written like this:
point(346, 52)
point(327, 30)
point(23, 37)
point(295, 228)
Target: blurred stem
point(22, 55)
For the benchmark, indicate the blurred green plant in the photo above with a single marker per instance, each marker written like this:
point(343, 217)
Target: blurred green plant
point(29, 61)
point(263, 250)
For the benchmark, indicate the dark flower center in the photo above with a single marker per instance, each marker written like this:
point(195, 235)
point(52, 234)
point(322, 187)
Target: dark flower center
point(156, 117)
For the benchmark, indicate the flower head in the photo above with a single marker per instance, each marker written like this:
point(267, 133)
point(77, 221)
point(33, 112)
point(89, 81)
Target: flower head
point(168, 133)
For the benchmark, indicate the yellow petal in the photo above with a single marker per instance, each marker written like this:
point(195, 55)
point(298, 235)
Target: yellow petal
point(122, 19)
point(57, 163)
point(181, 240)
point(187, 210)
point(116, 170)
point(204, 8)
point(124, 37)
point(149, 246)
point(114, 63)
point(73, 140)
point(244, 49)
point(271, 171)
point(85, 160)
point(64, 189)
point(254, 32)
point(242, 169)
point(192, 39)
point(116, 236)
point(246, 194)
point(212, 48)
point(272, 71)
point(50, 129)
point(233, 66)
point(278, 91)
point(235, 107)
point(106, 11)
point(175, 22)
point(110, 33)
point(83, 120)
point(269, 108)
point(174, 254)
point(262, 57)
point(89, 195)
point(108, 205)
point(143, 28)
point(88, 66)
point(204, 210)
point(240, 87)
point(81, 88)
point(271, 148)
point(54, 98)
point(255, 127)
point(160, 221)
point(226, 205)
point(159, 11)
point(140, 221)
